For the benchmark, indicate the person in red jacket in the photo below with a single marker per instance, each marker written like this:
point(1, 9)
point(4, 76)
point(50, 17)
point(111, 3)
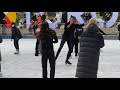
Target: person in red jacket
point(39, 19)
point(38, 45)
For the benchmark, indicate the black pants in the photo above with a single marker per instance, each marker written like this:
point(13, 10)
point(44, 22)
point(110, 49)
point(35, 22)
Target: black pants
point(48, 54)
point(70, 46)
point(76, 41)
point(119, 36)
point(37, 47)
point(16, 44)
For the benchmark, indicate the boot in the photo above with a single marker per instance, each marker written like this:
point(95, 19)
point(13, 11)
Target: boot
point(68, 62)
point(36, 53)
point(17, 52)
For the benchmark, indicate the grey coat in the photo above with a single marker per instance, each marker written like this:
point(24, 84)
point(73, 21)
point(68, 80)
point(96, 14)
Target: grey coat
point(90, 43)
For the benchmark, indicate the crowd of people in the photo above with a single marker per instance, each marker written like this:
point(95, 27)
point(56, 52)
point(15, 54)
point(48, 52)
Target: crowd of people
point(91, 40)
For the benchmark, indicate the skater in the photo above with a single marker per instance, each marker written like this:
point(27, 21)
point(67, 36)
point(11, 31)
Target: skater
point(4, 27)
point(35, 26)
point(78, 31)
point(43, 17)
point(16, 35)
point(34, 18)
point(38, 44)
point(90, 43)
point(119, 32)
point(77, 35)
point(31, 27)
point(68, 36)
point(48, 37)
point(0, 57)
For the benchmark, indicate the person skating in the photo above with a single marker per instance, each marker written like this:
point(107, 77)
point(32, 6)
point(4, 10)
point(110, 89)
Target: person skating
point(78, 31)
point(90, 43)
point(35, 26)
point(77, 35)
point(16, 35)
point(119, 32)
point(68, 36)
point(4, 27)
point(48, 37)
point(37, 32)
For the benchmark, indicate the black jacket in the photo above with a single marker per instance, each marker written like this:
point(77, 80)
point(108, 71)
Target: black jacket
point(78, 31)
point(90, 43)
point(48, 44)
point(16, 33)
point(69, 32)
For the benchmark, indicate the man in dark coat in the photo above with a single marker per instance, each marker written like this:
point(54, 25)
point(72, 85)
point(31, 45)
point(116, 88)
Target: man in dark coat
point(16, 35)
point(90, 43)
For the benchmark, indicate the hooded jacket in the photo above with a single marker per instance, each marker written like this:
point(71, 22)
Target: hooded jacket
point(16, 33)
point(90, 43)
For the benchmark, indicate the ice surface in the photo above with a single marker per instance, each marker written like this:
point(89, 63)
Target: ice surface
point(26, 65)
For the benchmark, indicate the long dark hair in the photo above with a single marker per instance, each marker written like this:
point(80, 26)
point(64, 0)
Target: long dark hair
point(46, 33)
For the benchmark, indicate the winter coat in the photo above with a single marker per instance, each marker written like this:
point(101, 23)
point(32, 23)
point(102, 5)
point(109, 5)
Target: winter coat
point(90, 43)
point(37, 32)
point(16, 33)
point(48, 43)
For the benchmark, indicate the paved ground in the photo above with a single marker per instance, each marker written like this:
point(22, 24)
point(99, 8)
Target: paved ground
point(26, 65)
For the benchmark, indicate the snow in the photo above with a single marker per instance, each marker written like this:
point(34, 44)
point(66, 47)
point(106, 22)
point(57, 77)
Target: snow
point(26, 65)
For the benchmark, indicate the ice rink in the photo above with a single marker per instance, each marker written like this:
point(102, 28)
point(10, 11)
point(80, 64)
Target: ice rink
point(26, 65)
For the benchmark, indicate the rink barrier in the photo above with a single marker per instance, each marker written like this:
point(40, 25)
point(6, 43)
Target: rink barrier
point(106, 37)
point(25, 31)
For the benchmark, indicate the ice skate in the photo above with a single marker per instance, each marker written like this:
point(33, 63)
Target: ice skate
point(76, 55)
point(17, 52)
point(68, 62)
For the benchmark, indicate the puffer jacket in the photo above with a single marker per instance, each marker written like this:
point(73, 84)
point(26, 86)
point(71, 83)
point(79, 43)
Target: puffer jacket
point(90, 43)
point(16, 33)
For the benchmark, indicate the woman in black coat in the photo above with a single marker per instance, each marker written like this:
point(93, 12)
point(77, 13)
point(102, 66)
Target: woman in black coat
point(48, 37)
point(90, 43)
point(16, 35)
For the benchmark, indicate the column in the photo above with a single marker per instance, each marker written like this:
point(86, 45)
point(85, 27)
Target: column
point(27, 19)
